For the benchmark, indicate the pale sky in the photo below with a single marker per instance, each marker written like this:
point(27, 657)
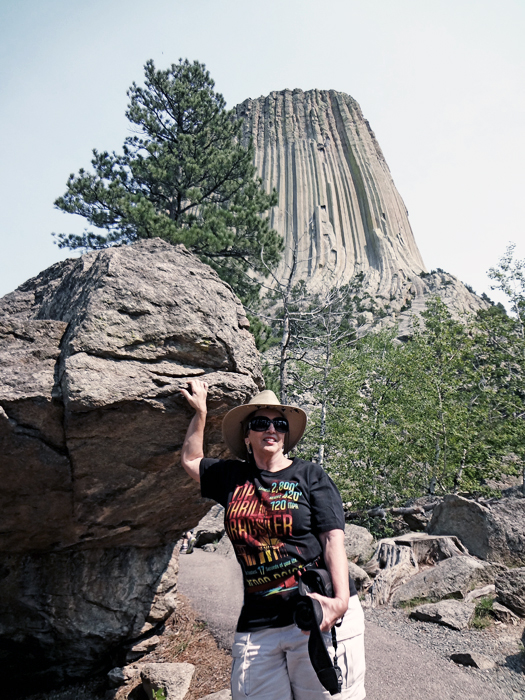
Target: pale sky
point(441, 82)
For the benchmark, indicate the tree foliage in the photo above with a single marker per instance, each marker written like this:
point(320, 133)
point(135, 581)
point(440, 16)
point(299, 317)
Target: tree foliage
point(182, 176)
point(437, 414)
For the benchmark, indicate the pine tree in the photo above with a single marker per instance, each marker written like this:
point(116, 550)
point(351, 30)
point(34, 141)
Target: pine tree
point(184, 176)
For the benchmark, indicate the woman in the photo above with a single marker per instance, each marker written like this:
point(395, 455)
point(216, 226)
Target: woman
point(281, 515)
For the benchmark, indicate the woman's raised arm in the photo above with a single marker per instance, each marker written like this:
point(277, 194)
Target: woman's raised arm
point(193, 446)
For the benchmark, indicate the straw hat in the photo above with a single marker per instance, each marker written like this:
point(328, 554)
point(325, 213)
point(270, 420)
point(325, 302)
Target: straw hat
point(233, 423)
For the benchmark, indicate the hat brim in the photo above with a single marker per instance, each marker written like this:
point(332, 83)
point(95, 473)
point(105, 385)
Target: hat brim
point(233, 428)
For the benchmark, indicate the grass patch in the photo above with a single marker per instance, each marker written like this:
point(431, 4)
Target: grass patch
point(482, 614)
point(413, 603)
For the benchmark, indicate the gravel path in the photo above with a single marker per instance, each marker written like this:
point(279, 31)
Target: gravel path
point(406, 660)
point(502, 645)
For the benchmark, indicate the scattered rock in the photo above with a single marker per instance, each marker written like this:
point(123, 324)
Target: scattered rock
point(211, 527)
point(221, 695)
point(208, 547)
point(225, 548)
point(510, 589)
point(450, 578)
point(359, 544)
point(502, 614)
point(452, 613)
point(416, 521)
point(146, 645)
point(495, 533)
point(472, 659)
point(120, 676)
point(489, 590)
point(142, 647)
point(173, 679)
point(361, 578)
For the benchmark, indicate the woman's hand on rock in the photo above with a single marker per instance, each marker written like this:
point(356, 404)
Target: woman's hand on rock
point(197, 397)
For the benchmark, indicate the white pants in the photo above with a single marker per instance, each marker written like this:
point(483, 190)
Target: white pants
point(273, 664)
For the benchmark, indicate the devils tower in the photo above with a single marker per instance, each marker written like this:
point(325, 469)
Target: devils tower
point(338, 206)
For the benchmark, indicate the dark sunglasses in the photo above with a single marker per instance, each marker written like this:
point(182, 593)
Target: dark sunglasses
point(261, 423)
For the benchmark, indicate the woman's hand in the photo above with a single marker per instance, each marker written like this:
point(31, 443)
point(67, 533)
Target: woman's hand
point(333, 610)
point(192, 449)
point(197, 398)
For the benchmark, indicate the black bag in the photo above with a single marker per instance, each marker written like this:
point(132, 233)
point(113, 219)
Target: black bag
point(308, 616)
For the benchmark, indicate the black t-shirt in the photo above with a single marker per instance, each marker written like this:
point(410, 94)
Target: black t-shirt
point(273, 520)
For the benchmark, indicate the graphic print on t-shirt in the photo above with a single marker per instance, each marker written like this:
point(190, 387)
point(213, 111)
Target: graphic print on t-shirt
point(257, 520)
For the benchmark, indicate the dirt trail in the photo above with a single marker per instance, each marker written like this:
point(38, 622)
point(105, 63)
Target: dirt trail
point(396, 669)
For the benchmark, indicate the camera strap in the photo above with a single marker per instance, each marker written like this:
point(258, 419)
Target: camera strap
point(327, 671)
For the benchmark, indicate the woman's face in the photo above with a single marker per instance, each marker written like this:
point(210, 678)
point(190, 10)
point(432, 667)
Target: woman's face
point(270, 441)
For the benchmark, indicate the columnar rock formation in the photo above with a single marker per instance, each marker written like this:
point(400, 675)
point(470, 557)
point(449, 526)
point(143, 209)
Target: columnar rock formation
point(92, 354)
point(337, 200)
point(339, 209)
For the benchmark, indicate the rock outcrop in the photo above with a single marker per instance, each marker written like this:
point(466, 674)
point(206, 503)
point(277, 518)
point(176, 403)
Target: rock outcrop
point(338, 206)
point(359, 544)
point(92, 354)
point(450, 578)
point(494, 532)
point(449, 613)
point(510, 588)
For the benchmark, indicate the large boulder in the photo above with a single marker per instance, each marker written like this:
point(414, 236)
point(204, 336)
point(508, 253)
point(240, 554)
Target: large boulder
point(450, 578)
point(359, 544)
point(510, 589)
point(450, 613)
point(211, 528)
point(172, 680)
point(93, 352)
point(494, 532)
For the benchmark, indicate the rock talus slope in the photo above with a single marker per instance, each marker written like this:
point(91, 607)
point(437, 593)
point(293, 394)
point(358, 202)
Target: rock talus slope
point(338, 204)
point(92, 354)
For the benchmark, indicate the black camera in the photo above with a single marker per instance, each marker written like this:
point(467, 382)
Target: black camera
point(308, 611)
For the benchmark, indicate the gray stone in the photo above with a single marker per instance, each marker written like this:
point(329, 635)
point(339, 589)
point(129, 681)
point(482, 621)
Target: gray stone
point(503, 614)
point(220, 695)
point(141, 648)
point(225, 547)
point(146, 645)
point(173, 679)
point(451, 613)
point(416, 521)
point(361, 578)
point(93, 352)
point(483, 592)
point(120, 676)
point(359, 544)
point(75, 606)
point(473, 659)
point(450, 578)
point(210, 527)
point(510, 589)
point(494, 533)
point(208, 547)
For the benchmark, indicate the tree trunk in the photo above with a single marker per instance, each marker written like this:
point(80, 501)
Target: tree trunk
point(394, 565)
